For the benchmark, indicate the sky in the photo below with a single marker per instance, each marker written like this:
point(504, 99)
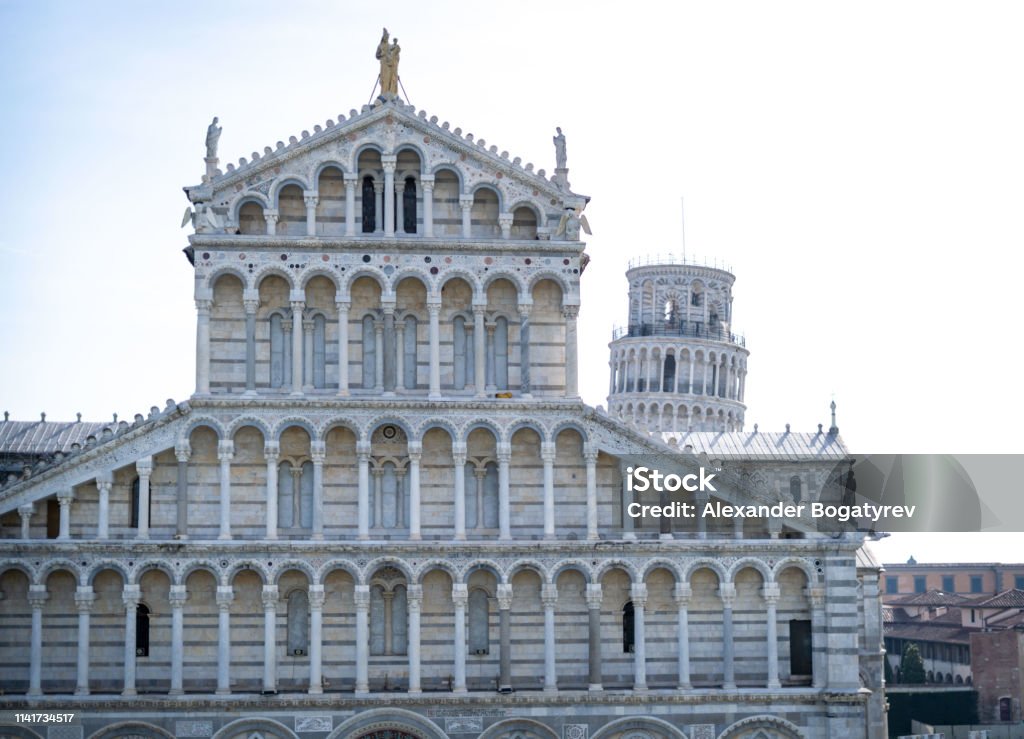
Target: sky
point(857, 165)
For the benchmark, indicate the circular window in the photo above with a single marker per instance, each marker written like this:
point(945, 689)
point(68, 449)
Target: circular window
point(390, 432)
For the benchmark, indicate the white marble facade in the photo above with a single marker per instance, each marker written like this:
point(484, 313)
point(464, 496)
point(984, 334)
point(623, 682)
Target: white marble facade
point(386, 509)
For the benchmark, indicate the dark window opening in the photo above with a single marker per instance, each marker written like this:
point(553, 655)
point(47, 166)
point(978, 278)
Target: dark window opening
point(369, 206)
point(947, 584)
point(142, 630)
point(628, 635)
point(409, 206)
point(976, 584)
point(135, 505)
point(800, 661)
point(919, 583)
point(52, 518)
point(892, 586)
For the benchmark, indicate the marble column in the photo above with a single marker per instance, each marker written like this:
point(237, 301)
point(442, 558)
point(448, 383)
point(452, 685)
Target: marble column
point(177, 598)
point(144, 469)
point(307, 354)
point(571, 313)
point(427, 183)
point(590, 453)
point(548, 598)
point(505, 637)
point(771, 593)
point(318, 452)
point(37, 596)
point(547, 455)
point(466, 203)
point(638, 595)
point(311, 199)
point(251, 304)
point(225, 452)
point(182, 453)
point(504, 453)
point(413, 606)
point(819, 655)
point(378, 359)
point(479, 351)
point(459, 462)
point(65, 498)
point(316, 637)
point(350, 204)
point(378, 207)
point(415, 451)
point(25, 512)
point(271, 215)
point(84, 599)
point(104, 483)
point(390, 350)
point(400, 207)
point(682, 594)
point(524, 349)
point(298, 304)
point(388, 162)
point(269, 596)
point(362, 600)
point(505, 223)
point(690, 378)
point(460, 596)
point(595, 598)
point(400, 356)
point(363, 497)
point(271, 452)
point(727, 592)
point(203, 346)
point(342, 307)
point(224, 598)
point(434, 311)
point(131, 595)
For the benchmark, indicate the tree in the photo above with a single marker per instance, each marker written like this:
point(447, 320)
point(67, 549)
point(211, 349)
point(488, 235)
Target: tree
point(888, 671)
point(911, 665)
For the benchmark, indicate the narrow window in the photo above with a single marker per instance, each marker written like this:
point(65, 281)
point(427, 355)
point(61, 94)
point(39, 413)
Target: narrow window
point(892, 586)
point(490, 495)
point(459, 353)
point(319, 351)
point(399, 621)
point(947, 584)
point(298, 623)
point(305, 513)
point(409, 205)
point(472, 498)
point(800, 662)
point(668, 379)
point(976, 584)
point(389, 493)
point(409, 380)
point(369, 352)
point(1018, 582)
point(52, 518)
point(369, 207)
point(627, 628)
point(501, 353)
point(1005, 709)
point(285, 496)
point(919, 584)
point(276, 351)
point(376, 620)
point(479, 638)
point(142, 630)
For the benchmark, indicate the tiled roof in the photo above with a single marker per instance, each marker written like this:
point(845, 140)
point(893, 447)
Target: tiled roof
point(44, 437)
point(930, 631)
point(931, 598)
point(769, 445)
point(1012, 598)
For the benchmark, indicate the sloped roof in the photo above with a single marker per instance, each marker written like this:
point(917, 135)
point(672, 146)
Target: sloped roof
point(867, 559)
point(766, 445)
point(1011, 598)
point(45, 437)
point(930, 598)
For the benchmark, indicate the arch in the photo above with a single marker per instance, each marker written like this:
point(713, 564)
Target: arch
point(527, 728)
point(204, 421)
point(153, 564)
point(532, 205)
point(320, 271)
point(554, 277)
point(248, 421)
point(483, 564)
point(365, 145)
point(570, 564)
point(522, 288)
point(373, 565)
point(319, 168)
point(437, 564)
point(226, 269)
point(574, 425)
point(401, 146)
point(801, 564)
point(521, 565)
point(622, 564)
point(754, 564)
point(272, 269)
point(108, 564)
point(344, 565)
point(662, 564)
point(48, 569)
point(291, 179)
point(340, 423)
point(245, 564)
point(526, 423)
point(437, 423)
point(639, 723)
point(690, 567)
point(199, 565)
point(23, 569)
point(493, 187)
point(390, 421)
point(450, 167)
point(373, 273)
point(747, 726)
point(247, 726)
point(304, 423)
point(483, 423)
point(131, 728)
point(247, 197)
point(385, 718)
point(305, 568)
point(457, 273)
point(412, 273)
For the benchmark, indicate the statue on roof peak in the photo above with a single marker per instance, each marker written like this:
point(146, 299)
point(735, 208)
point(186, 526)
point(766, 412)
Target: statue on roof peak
point(212, 138)
point(388, 54)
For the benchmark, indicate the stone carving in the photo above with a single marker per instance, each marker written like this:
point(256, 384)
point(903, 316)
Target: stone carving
point(702, 731)
point(212, 138)
point(575, 731)
point(464, 725)
point(310, 724)
point(559, 141)
point(193, 728)
point(572, 221)
point(388, 55)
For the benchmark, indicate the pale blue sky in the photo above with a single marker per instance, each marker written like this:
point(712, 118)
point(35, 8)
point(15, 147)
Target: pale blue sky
point(859, 165)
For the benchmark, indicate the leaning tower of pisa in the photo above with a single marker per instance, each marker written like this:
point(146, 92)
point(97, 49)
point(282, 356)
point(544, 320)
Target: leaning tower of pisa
point(677, 365)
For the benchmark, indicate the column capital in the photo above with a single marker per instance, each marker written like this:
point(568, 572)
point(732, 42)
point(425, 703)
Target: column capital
point(427, 181)
point(178, 596)
point(37, 596)
point(311, 201)
point(251, 306)
point(105, 477)
point(269, 597)
point(317, 596)
point(271, 451)
point(415, 447)
point(638, 594)
point(203, 305)
point(771, 593)
point(459, 451)
point(504, 451)
point(570, 312)
point(682, 594)
point(594, 596)
point(547, 451)
point(816, 594)
point(504, 596)
point(378, 187)
point(343, 305)
point(387, 159)
point(225, 595)
point(66, 497)
point(26, 510)
point(131, 595)
point(466, 201)
point(84, 598)
point(414, 597)
point(182, 452)
point(460, 594)
point(524, 310)
point(549, 595)
point(479, 310)
point(727, 592)
point(350, 178)
point(225, 450)
point(144, 466)
point(434, 309)
point(362, 596)
point(318, 451)
point(363, 450)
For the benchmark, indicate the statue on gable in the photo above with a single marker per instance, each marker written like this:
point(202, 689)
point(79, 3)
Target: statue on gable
point(572, 221)
point(212, 138)
point(388, 54)
point(559, 141)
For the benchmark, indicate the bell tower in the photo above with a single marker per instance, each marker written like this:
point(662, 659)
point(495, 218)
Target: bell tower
point(677, 365)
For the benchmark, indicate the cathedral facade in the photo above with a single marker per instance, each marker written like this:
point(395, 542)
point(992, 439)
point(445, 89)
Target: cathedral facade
point(386, 512)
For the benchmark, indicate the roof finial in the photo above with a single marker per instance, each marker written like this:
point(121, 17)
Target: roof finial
point(115, 418)
point(6, 415)
point(42, 416)
point(79, 416)
point(833, 429)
